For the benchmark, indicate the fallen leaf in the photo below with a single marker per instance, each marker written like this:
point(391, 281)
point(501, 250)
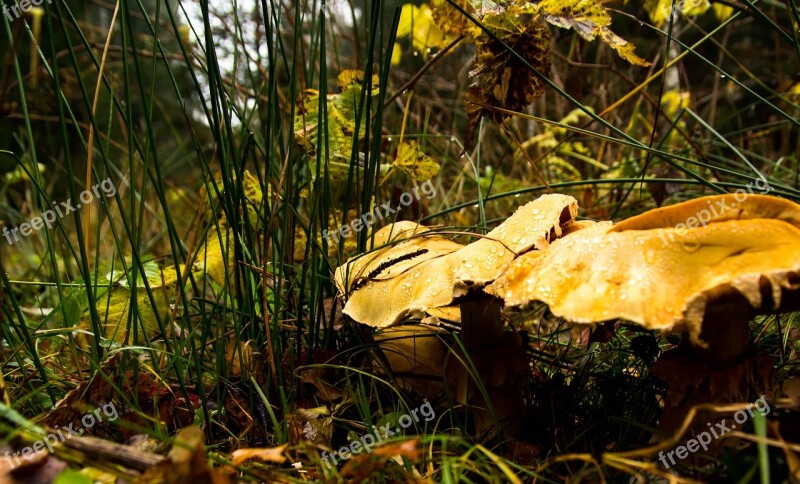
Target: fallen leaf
point(272, 454)
point(362, 466)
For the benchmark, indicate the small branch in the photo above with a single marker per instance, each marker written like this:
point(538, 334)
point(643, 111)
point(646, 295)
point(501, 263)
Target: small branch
point(105, 451)
point(435, 58)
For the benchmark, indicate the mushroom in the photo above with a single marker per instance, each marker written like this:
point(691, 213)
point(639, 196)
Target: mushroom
point(430, 271)
point(708, 280)
point(427, 274)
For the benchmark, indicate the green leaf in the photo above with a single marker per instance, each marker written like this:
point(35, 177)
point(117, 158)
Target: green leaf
point(416, 164)
point(70, 476)
point(340, 123)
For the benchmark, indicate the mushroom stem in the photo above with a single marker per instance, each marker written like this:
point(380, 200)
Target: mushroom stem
point(725, 331)
point(481, 322)
point(500, 361)
point(722, 367)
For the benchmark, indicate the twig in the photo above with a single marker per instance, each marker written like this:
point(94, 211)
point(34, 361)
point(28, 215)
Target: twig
point(411, 82)
point(103, 450)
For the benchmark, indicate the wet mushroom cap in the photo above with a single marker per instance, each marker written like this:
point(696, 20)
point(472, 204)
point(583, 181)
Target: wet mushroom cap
point(393, 291)
point(713, 209)
point(662, 277)
point(415, 246)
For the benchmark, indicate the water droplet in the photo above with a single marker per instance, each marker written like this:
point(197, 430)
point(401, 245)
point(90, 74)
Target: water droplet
point(690, 246)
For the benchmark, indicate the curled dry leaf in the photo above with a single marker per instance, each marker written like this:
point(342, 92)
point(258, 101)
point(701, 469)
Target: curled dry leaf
point(513, 37)
point(314, 425)
point(646, 271)
point(361, 466)
point(38, 466)
point(449, 19)
point(388, 295)
point(590, 19)
point(500, 78)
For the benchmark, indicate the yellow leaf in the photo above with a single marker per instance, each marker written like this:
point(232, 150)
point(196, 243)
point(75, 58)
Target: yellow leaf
point(407, 15)
point(348, 77)
point(673, 100)
point(590, 20)
point(723, 12)
point(272, 454)
point(449, 19)
point(661, 10)
point(624, 49)
point(340, 123)
point(397, 54)
point(418, 22)
point(414, 162)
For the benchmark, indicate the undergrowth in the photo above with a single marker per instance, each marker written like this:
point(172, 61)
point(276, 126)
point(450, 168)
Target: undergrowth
point(201, 291)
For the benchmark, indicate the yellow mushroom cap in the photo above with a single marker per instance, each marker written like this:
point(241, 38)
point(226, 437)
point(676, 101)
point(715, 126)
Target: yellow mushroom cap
point(713, 209)
point(390, 259)
point(409, 283)
point(660, 277)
